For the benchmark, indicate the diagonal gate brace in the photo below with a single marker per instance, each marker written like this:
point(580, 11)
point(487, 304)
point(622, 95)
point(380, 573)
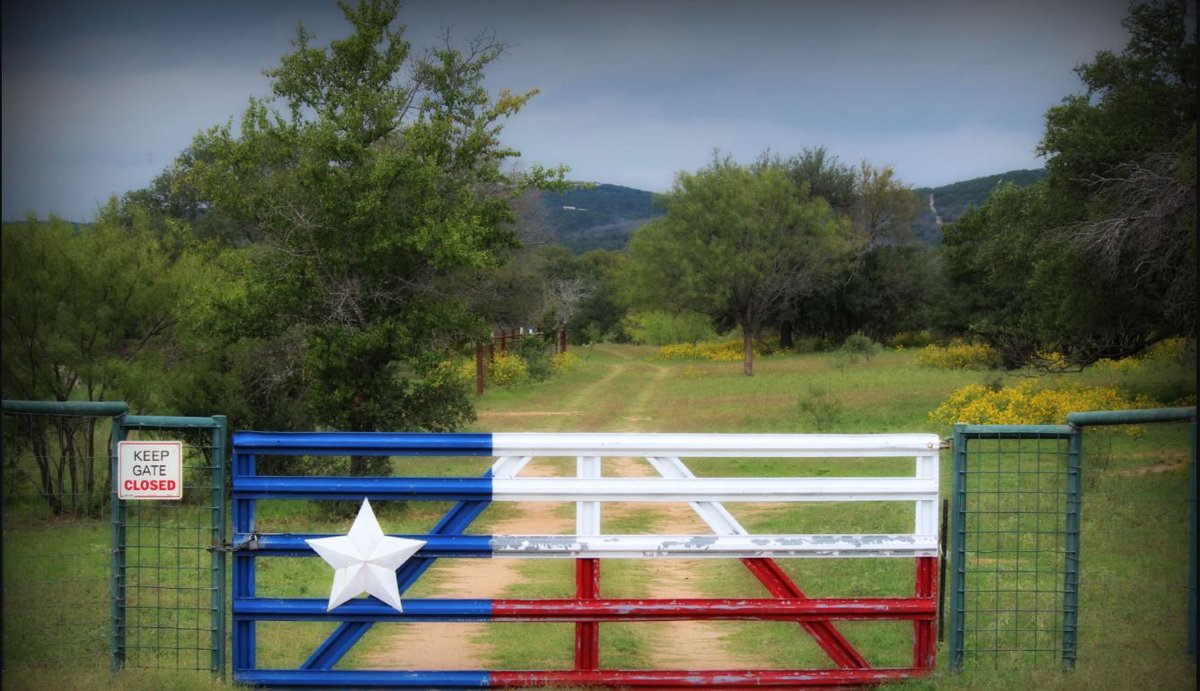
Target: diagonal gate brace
point(456, 520)
point(767, 571)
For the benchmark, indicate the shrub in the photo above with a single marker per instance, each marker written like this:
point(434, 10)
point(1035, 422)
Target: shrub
point(1125, 365)
point(460, 370)
point(534, 350)
point(538, 367)
point(959, 356)
point(723, 351)
point(911, 339)
point(715, 351)
point(860, 345)
point(1172, 351)
point(768, 345)
point(812, 344)
point(507, 370)
point(822, 407)
point(594, 333)
point(1024, 404)
point(1052, 361)
point(664, 328)
point(561, 363)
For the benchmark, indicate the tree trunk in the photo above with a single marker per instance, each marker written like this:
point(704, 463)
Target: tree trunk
point(747, 350)
point(786, 342)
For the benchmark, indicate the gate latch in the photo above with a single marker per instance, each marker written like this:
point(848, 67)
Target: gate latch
point(250, 543)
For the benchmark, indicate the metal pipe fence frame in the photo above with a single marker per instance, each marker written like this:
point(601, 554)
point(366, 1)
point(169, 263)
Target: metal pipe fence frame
point(989, 522)
point(1151, 416)
point(1013, 483)
point(37, 627)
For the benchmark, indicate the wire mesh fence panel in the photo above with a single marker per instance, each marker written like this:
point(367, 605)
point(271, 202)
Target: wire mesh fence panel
point(56, 534)
point(169, 567)
point(1015, 548)
point(1134, 581)
point(1076, 549)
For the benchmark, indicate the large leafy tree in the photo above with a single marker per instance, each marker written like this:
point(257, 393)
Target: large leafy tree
point(374, 180)
point(739, 243)
point(86, 312)
point(1137, 102)
point(1098, 260)
point(1028, 292)
point(1127, 148)
point(885, 286)
point(83, 305)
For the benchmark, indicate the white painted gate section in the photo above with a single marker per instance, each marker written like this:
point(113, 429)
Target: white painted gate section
point(677, 483)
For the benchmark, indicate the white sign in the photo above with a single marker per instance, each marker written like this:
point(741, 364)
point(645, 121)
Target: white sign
point(150, 470)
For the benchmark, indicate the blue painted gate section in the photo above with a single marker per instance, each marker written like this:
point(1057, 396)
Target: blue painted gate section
point(444, 539)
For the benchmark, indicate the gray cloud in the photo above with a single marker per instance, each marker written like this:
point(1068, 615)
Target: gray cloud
point(98, 97)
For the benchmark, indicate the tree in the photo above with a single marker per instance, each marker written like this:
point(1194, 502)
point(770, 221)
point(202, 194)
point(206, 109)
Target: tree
point(884, 207)
point(885, 278)
point(598, 314)
point(373, 195)
point(1138, 102)
point(1097, 260)
point(825, 177)
point(738, 243)
point(1027, 292)
point(1126, 148)
point(81, 304)
point(85, 310)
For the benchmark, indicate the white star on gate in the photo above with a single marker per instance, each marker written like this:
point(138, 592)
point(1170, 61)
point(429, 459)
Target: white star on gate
point(365, 560)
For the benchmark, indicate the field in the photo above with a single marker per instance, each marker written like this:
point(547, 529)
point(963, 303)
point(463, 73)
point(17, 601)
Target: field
point(1134, 535)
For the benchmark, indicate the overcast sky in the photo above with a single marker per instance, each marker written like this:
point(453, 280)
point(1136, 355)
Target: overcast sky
point(98, 97)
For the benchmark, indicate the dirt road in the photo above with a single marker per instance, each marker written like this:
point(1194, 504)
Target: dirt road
point(588, 408)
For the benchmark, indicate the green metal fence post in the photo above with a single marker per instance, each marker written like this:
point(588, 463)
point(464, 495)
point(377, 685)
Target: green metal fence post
point(1074, 505)
point(118, 551)
point(1191, 623)
point(218, 542)
point(958, 549)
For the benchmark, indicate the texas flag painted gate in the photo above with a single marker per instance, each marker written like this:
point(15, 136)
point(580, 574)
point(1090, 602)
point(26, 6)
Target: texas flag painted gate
point(729, 539)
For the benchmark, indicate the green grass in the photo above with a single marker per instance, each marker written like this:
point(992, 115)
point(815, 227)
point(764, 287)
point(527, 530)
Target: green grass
point(884, 394)
point(1134, 488)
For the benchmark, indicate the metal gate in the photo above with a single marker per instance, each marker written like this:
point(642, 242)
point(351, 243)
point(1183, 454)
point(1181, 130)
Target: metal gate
point(1014, 588)
point(168, 557)
point(351, 618)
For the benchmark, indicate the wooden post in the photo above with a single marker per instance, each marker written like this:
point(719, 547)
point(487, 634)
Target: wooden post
point(479, 369)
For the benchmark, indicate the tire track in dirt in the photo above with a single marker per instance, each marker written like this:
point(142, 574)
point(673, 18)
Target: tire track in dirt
point(458, 645)
point(678, 645)
point(465, 646)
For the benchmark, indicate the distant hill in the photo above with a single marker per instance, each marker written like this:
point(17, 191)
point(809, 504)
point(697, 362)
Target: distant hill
point(948, 203)
point(599, 217)
point(605, 216)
